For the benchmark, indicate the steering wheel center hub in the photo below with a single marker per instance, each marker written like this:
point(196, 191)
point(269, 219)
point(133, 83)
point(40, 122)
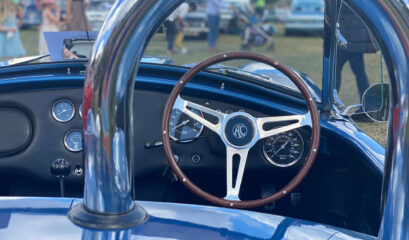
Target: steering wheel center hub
point(239, 131)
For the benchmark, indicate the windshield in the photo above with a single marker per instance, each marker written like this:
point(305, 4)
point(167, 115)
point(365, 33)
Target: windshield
point(361, 68)
point(193, 32)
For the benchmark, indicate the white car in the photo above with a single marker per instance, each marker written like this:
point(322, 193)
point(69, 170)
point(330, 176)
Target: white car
point(97, 11)
point(305, 16)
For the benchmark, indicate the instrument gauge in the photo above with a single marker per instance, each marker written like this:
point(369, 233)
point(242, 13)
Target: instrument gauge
point(184, 128)
point(63, 111)
point(73, 140)
point(284, 149)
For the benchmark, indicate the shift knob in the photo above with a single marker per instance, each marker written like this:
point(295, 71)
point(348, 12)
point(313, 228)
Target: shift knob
point(60, 168)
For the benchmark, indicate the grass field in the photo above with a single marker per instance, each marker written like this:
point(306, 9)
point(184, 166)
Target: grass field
point(30, 41)
point(304, 54)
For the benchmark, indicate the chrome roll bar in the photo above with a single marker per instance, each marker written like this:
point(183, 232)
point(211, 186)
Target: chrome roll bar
point(108, 114)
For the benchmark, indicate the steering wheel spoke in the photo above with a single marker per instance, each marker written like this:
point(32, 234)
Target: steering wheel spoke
point(297, 121)
point(184, 105)
point(233, 190)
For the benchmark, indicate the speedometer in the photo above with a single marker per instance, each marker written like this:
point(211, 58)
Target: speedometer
point(184, 128)
point(284, 149)
point(63, 111)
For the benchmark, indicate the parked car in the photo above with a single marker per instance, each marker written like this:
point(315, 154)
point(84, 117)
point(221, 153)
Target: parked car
point(196, 23)
point(304, 17)
point(97, 11)
point(112, 148)
point(230, 19)
point(280, 14)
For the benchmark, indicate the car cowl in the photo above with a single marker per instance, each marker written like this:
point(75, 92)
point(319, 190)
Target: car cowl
point(47, 220)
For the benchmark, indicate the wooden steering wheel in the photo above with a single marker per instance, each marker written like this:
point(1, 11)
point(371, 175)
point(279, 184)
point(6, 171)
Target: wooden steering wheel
point(240, 131)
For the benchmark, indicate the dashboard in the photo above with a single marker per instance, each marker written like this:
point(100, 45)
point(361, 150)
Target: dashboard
point(41, 137)
point(52, 120)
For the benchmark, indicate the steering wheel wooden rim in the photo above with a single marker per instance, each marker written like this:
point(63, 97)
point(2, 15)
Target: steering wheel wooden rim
point(315, 125)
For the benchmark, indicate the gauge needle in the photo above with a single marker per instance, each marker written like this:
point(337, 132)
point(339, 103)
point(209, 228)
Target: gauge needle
point(281, 148)
point(183, 123)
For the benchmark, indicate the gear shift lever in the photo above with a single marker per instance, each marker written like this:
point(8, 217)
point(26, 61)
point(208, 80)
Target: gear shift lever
point(60, 168)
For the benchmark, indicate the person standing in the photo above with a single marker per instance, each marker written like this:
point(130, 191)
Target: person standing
point(359, 42)
point(75, 17)
point(213, 18)
point(50, 23)
point(260, 6)
point(19, 13)
point(170, 25)
point(10, 42)
point(181, 13)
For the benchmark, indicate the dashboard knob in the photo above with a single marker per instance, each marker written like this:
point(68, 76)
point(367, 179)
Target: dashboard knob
point(196, 158)
point(78, 171)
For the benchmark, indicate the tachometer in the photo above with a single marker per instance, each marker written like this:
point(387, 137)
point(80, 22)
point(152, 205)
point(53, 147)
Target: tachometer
point(184, 128)
point(284, 149)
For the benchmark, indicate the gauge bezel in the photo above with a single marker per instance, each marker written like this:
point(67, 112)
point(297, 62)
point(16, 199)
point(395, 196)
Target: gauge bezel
point(59, 119)
point(284, 165)
point(80, 109)
point(65, 140)
point(188, 140)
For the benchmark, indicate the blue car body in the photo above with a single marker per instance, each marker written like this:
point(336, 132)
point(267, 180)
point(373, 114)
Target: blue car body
point(166, 221)
point(178, 221)
point(46, 218)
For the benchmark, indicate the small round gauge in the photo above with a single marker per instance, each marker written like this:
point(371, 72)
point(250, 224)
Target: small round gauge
point(73, 140)
point(284, 149)
point(184, 128)
point(63, 111)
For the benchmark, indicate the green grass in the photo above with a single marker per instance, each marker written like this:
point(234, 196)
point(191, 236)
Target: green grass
point(301, 53)
point(376, 130)
point(29, 38)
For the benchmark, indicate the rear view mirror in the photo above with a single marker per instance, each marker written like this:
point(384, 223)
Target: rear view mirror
point(77, 48)
point(375, 102)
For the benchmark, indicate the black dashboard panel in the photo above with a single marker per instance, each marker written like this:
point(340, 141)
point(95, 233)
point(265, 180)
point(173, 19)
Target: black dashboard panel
point(209, 147)
point(47, 136)
point(15, 131)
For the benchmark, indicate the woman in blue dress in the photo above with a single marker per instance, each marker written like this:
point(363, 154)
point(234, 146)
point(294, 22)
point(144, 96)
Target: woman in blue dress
point(10, 42)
